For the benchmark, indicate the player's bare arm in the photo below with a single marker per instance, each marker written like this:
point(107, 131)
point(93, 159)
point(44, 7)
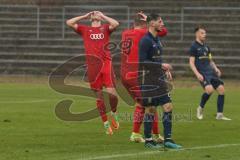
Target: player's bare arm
point(194, 69)
point(113, 23)
point(73, 22)
point(166, 67)
point(169, 75)
point(215, 68)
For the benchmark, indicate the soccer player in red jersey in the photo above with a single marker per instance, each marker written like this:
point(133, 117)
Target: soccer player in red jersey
point(129, 74)
point(99, 63)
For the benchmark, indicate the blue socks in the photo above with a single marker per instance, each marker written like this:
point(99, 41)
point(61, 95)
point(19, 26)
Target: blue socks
point(204, 99)
point(148, 123)
point(220, 103)
point(167, 124)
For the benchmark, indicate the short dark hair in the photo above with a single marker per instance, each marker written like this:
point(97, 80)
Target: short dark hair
point(152, 17)
point(198, 28)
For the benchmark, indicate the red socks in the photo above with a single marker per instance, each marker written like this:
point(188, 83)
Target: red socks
point(102, 109)
point(155, 129)
point(113, 100)
point(138, 119)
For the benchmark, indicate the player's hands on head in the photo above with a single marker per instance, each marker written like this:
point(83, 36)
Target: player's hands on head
point(98, 13)
point(144, 17)
point(166, 67)
point(88, 15)
point(200, 77)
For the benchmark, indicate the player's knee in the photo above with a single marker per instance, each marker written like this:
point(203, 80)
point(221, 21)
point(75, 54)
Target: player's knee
point(99, 94)
point(140, 109)
point(112, 91)
point(209, 89)
point(168, 107)
point(112, 96)
point(151, 110)
point(221, 90)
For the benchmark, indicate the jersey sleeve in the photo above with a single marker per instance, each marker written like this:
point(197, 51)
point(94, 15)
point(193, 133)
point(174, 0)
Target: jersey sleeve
point(80, 29)
point(163, 32)
point(192, 51)
point(209, 49)
point(106, 26)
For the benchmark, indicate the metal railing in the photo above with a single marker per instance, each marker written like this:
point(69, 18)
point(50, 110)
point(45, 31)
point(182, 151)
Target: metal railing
point(122, 13)
point(37, 11)
point(183, 9)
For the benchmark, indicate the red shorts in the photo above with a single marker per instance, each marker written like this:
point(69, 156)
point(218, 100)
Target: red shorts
point(101, 75)
point(130, 82)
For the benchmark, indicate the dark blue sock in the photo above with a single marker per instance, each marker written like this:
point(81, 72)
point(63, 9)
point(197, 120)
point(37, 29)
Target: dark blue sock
point(148, 122)
point(220, 103)
point(167, 124)
point(204, 99)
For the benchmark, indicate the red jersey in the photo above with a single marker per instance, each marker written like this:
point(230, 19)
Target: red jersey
point(131, 39)
point(95, 39)
point(129, 59)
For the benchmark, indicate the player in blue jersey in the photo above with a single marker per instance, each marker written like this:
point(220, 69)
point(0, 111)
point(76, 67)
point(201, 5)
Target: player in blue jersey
point(153, 86)
point(207, 73)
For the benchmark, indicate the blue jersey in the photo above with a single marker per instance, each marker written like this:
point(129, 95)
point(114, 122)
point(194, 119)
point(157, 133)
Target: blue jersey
point(203, 57)
point(150, 49)
point(154, 89)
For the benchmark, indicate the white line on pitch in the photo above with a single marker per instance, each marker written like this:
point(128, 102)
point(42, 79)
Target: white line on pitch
point(20, 102)
point(156, 152)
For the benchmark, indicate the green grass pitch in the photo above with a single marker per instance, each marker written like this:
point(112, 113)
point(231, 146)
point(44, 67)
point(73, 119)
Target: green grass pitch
point(30, 130)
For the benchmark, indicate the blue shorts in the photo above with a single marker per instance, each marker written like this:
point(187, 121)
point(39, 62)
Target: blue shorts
point(214, 81)
point(156, 101)
point(154, 88)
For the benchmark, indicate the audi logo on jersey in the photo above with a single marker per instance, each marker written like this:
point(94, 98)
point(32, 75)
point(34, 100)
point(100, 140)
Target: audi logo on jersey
point(97, 36)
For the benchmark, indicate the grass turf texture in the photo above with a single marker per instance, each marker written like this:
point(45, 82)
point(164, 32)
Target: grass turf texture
point(30, 130)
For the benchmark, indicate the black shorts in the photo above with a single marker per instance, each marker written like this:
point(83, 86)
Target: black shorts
point(156, 101)
point(214, 81)
point(154, 87)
